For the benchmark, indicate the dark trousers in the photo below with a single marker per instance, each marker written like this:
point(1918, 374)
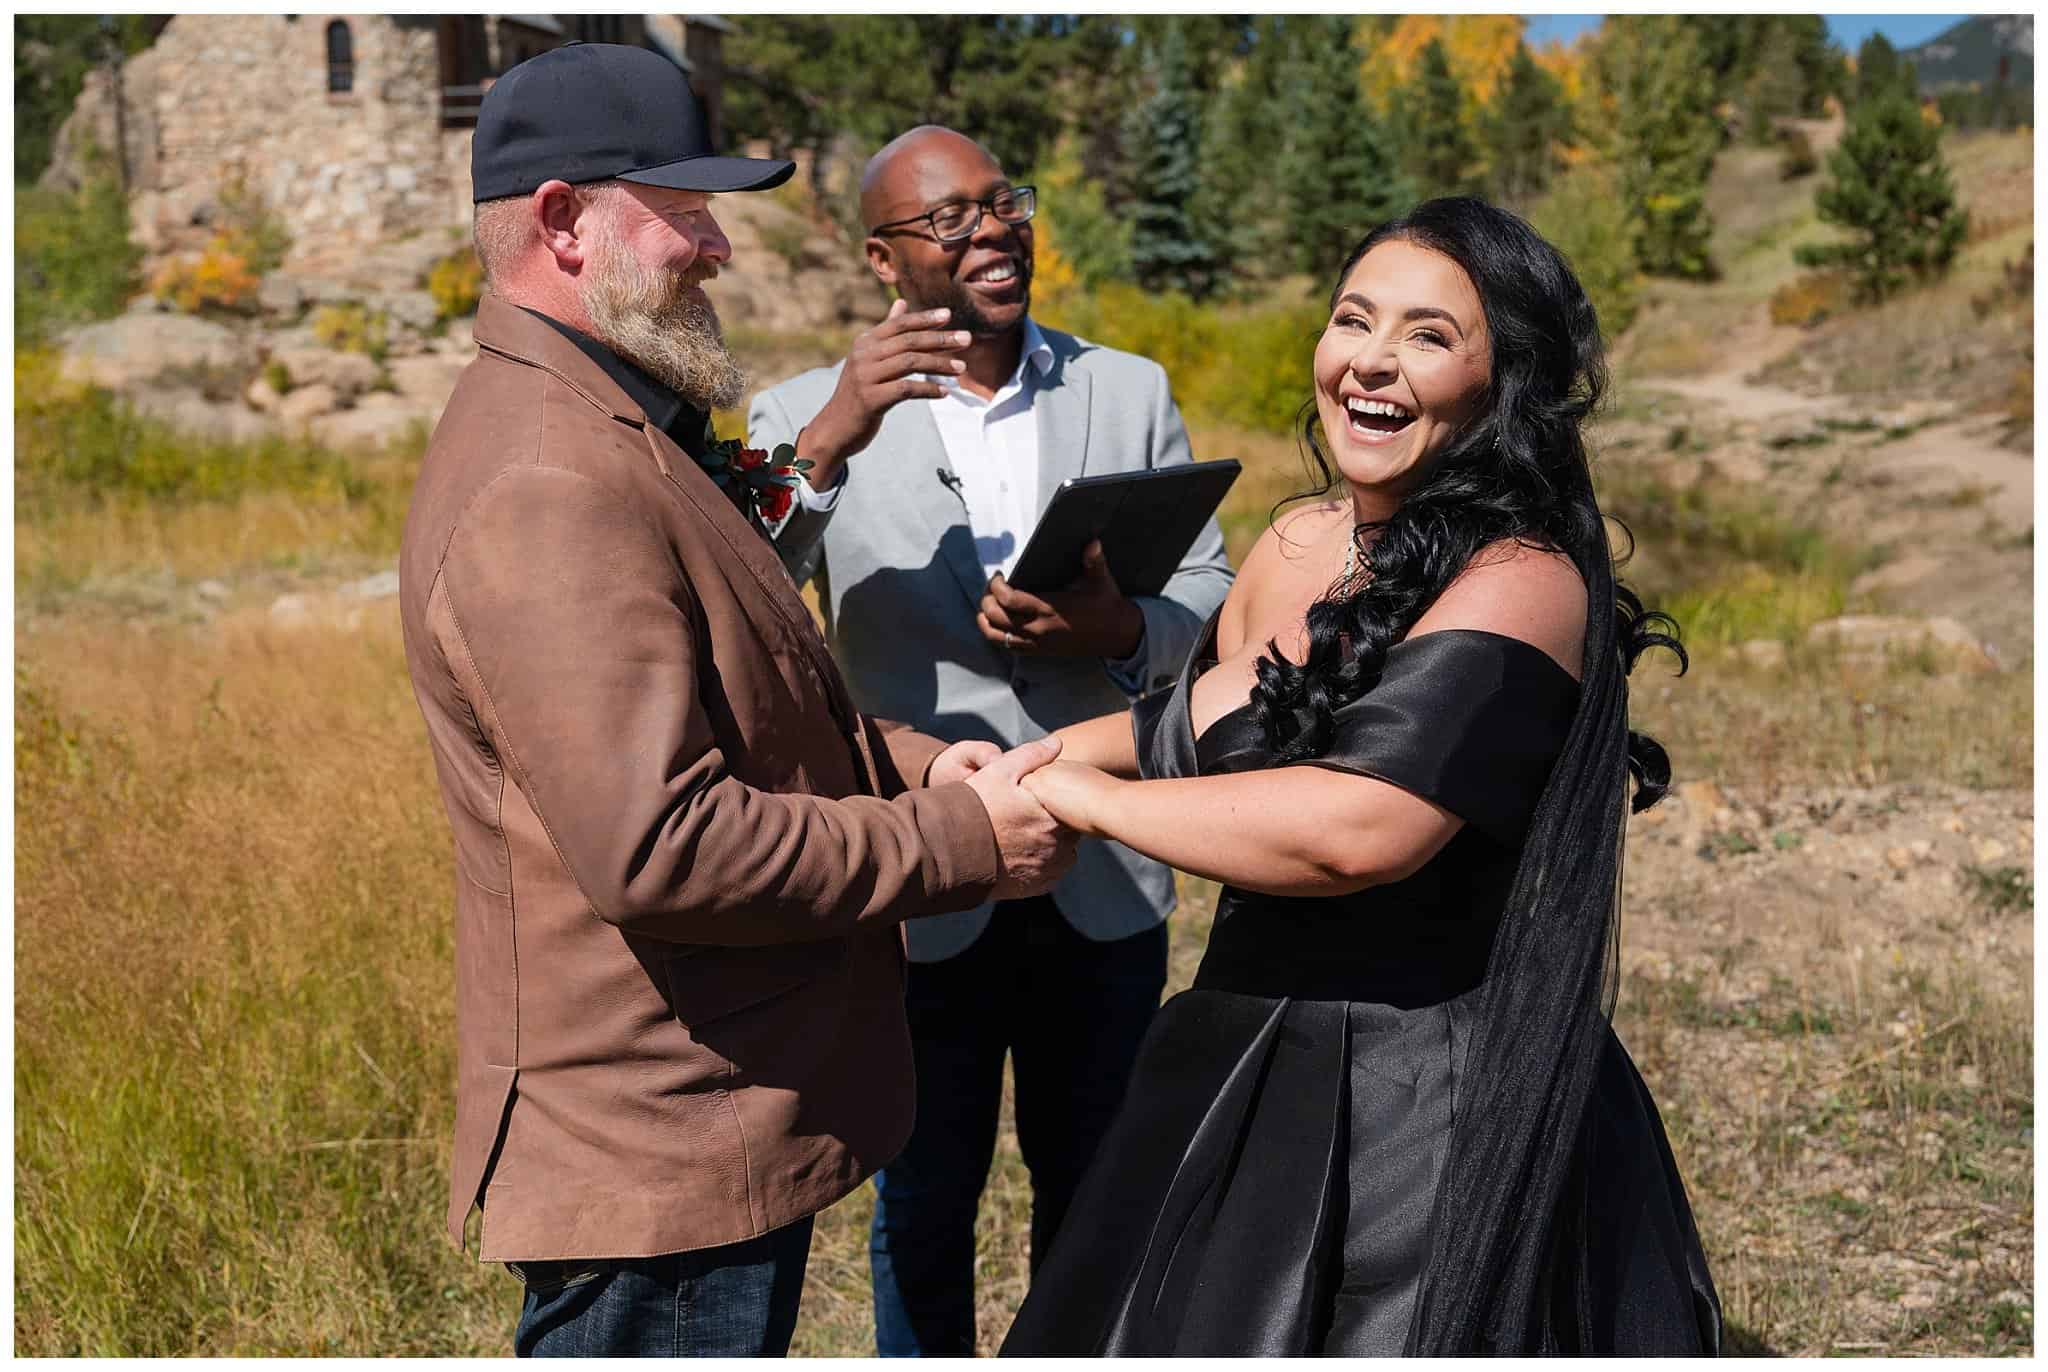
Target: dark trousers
point(738, 1300)
point(1070, 1012)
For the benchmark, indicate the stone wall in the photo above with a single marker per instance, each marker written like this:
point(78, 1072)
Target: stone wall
point(236, 95)
point(221, 98)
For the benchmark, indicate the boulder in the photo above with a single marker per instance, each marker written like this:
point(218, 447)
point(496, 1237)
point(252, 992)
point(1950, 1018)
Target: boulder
point(304, 404)
point(1765, 653)
point(281, 295)
point(395, 266)
point(377, 420)
point(131, 350)
point(350, 374)
point(189, 412)
point(458, 339)
point(1873, 640)
point(429, 379)
point(263, 396)
point(414, 310)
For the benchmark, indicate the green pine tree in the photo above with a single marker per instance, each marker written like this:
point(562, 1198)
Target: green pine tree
point(1820, 61)
point(1889, 187)
point(1338, 168)
point(1168, 251)
point(1526, 122)
point(1880, 72)
point(1241, 151)
point(1776, 89)
point(1437, 148)
point(1666, 138)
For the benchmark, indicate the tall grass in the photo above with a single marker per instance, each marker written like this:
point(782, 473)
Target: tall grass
point(1728, 562)
point(102, 491)
point(233, 1035)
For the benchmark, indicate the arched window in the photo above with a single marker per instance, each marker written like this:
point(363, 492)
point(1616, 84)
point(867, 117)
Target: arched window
point(341, 59)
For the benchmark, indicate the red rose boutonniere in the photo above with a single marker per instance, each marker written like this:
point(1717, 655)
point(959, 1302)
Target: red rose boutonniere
point(758, 481)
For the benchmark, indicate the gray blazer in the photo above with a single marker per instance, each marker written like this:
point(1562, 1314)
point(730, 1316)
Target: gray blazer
point(900, 584)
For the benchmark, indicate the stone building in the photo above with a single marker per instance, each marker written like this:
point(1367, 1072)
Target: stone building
point(353, 128)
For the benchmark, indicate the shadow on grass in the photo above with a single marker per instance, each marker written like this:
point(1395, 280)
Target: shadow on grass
point(1740, 1341)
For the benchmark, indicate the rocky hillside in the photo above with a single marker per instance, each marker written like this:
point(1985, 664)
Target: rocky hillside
point(353, 350)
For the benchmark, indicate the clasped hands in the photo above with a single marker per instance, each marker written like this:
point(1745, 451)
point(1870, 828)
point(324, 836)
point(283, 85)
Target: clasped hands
point(1038, 806)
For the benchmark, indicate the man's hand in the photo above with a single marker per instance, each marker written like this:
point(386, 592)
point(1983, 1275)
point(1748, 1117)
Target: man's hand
point(961, 761)
point(1033, 850)
point(1091, 618)
point(880, 371)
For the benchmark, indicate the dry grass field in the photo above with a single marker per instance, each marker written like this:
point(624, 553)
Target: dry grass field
point(234, 1058)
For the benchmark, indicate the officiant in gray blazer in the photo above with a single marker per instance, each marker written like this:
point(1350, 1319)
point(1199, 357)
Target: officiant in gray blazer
point(965, 416)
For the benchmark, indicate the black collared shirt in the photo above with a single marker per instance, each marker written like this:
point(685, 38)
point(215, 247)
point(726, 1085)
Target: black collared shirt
point(666, 410)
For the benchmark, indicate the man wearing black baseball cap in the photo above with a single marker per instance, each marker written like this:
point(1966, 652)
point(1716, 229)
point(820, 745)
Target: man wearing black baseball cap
point(607, 141)
point(681, 854)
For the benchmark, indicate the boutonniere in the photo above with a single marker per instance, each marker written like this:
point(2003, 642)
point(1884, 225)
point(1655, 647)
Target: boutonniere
point(755, 478)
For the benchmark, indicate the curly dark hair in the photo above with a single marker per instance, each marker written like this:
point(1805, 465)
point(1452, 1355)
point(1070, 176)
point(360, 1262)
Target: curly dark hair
point(1518, 471)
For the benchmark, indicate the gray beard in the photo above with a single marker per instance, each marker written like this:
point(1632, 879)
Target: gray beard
point(653, 321)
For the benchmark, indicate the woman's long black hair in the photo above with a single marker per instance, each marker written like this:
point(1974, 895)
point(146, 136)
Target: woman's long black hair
point(1503, 1271)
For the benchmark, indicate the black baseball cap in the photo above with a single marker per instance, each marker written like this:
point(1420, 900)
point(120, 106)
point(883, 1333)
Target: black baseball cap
point(601, 111)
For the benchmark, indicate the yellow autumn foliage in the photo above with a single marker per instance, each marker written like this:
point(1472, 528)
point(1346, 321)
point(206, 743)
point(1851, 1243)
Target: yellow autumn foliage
point(219, 278)
point(1479, 46)
point(1053, 277)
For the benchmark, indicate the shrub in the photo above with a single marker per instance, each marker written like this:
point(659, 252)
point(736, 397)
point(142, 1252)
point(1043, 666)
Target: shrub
point(248, 229)
point(1585, 218)
point(74, 442)
point(220, 279)
point(2016, 286)
point(1796, 157)
point(73, 260)
point(456, 283)
point(1809, 299)
point(279, 376)
point(1092, 243)
point(1246, 367)
point(353, 329)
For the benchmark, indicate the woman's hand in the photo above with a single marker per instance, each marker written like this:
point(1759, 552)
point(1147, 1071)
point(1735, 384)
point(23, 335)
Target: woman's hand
point(1078, 796)
point(962, 761)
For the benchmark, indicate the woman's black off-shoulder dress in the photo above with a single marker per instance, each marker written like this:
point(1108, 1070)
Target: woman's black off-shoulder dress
point(1267, 1187)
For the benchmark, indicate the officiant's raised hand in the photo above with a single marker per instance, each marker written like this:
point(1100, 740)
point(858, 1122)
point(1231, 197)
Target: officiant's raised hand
point(1033, 849)
point(888, 363)
point(1091, 618)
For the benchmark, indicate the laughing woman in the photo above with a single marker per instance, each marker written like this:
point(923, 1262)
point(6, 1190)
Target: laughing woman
point(1391, 1115)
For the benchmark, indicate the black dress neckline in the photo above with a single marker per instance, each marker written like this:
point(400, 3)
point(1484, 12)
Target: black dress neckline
point(1202, 661)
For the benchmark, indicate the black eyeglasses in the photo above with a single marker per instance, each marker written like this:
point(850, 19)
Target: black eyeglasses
point(957, 221)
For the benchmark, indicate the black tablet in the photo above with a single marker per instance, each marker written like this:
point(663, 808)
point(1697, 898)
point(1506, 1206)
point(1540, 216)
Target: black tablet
point(1146, 520)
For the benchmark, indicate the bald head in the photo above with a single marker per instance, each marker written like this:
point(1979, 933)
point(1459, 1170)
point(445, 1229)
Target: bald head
point(984, 277)
point(891, 186)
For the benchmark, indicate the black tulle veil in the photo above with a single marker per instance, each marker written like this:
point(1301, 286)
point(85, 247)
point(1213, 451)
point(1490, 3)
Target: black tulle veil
point(1506, 1268)
point(1502, 1270)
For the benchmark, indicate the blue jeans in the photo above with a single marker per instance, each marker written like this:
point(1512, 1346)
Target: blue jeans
point(1071, 1013)
point(738, 1300)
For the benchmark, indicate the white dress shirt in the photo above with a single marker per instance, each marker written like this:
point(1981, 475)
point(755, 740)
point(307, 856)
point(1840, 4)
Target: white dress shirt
point(992, 449)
